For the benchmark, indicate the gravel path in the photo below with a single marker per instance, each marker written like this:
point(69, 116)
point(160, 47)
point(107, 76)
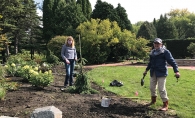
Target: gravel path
point(134, 64)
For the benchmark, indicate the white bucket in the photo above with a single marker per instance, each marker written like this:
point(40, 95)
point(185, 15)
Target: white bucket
point(105, 102)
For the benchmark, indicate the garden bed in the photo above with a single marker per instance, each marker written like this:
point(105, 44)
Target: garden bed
point(22, 102)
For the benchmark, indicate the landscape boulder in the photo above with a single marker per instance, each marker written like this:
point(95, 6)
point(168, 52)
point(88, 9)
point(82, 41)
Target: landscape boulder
point(46, 112)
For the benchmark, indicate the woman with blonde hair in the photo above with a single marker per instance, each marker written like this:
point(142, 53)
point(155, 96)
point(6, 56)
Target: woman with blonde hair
point(69, 55)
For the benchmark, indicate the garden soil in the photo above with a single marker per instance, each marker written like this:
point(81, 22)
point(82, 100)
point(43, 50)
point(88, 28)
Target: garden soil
point(23, 101)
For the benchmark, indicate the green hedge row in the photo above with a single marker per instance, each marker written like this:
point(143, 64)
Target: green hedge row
point(178, 48)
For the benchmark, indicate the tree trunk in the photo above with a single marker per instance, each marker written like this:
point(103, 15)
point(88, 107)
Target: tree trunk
point(16, 43)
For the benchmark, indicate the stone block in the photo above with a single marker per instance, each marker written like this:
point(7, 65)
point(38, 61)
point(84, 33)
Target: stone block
point(46, 112)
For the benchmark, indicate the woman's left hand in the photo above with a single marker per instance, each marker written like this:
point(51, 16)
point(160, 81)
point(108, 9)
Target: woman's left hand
point(177, 74)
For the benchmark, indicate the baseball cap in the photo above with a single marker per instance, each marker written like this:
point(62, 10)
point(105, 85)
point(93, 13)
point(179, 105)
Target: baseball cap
point(157, 40)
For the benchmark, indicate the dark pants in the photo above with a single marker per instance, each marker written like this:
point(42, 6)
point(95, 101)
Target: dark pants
point(69, 72)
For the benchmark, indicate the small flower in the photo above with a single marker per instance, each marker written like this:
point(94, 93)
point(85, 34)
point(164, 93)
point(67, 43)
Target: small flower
point(136, 93)
point(35, 73)
point(31, 71)
point(50, 71)
point(46, 72)
point(44, 64)
point(6, 66)
point(26, 67)
point(36, 68)
point(13, 65)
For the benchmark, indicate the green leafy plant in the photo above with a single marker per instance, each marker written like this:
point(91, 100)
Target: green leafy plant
point(11, 69)
point(45, 67)
point(191, 49)
point(7, 85)
point(51, 58)
point(2, 93)
point(39, 79)
point(82, 85)
point(25, 72)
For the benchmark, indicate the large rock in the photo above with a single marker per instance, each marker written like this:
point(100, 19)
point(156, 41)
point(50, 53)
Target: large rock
point(46, 112)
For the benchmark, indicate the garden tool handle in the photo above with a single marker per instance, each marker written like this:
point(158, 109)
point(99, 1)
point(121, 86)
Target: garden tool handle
point(142, 80)
point(177, 77)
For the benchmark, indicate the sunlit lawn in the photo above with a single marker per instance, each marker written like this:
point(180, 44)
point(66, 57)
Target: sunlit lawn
point(181, 94)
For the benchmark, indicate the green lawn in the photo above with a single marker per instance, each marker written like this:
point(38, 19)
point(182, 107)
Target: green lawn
point(181, 94)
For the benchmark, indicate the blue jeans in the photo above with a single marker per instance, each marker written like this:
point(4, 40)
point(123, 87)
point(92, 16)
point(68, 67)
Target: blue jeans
point(69, 72)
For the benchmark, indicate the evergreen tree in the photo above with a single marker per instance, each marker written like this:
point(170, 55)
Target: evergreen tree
point(123, 21)
point(61, 18)
point(48, 19)
point(155, 22)
point(19, 18)
point(31, 27)
point(86, 8)
point(72, 19)
point(147, 31)
point(103, 11)
point(165, 28)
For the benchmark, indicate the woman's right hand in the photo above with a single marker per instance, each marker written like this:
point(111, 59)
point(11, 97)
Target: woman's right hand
point(145, 73)
point(67, 61)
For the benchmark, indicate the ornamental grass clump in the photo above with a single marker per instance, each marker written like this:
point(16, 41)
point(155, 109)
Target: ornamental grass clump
point(2, 93)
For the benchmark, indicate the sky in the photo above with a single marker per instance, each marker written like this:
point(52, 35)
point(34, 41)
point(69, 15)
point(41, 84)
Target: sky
point(146, 10)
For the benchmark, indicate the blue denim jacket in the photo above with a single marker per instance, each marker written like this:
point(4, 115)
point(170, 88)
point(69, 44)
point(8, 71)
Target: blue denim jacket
point(158, 62)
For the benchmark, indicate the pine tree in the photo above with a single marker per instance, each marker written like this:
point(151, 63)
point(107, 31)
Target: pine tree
point(19, 18)
point(123, 22)
point(86, 8)
point(61, 18)
point(103, 11)
point(147, 31)
point(166, 29)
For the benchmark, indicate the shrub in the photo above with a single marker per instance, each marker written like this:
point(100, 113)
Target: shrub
point(11, 69)
point(55, 44)
point(39, 79)
point(51, 58)
point(45, 67)
point(82, 85)
point(7, 85)
point(191, 49)
point(25, 73)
